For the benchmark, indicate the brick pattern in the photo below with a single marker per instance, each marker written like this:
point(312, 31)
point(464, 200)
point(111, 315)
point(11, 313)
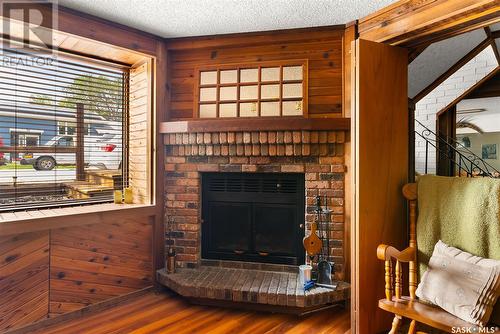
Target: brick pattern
point(263, 143)
point(250, 286)
point(427, 108)
point(323, 167)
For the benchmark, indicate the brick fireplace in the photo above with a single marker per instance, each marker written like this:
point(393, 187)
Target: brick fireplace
point(319, 155)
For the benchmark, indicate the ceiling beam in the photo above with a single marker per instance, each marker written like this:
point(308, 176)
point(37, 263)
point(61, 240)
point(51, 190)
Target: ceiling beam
point(488, 32)
point(411, 23)
point(461, 62)
point(490, 88)
point(415, 52)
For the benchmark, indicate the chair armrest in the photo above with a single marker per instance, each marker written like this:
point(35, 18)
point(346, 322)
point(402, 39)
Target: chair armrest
point(394, 283)
point(385, 253)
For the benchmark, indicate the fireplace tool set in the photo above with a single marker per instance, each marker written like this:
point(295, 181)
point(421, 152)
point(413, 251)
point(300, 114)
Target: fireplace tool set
point(170, 265)
point(318, 250)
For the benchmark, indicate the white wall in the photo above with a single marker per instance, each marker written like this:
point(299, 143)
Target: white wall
point(488, 120)
point(476, 142)
point(457, 84)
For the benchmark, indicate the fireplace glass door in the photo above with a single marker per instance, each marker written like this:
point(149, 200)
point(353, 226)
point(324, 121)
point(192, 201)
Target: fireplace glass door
point(256, 217)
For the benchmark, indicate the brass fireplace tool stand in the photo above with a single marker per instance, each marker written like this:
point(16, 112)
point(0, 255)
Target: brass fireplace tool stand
point(318, 247)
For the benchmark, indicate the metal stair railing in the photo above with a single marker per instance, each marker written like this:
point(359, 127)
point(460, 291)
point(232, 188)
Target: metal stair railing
point(464, 160)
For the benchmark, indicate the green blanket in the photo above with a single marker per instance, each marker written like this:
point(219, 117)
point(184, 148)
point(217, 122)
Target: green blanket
point(462, 212)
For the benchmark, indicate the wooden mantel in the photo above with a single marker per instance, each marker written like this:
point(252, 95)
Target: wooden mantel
point(257, 124)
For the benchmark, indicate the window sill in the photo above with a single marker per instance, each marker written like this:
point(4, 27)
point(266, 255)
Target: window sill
point(45, 219)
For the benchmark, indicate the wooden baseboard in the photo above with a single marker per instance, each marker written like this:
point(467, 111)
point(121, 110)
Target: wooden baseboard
point(94, 308)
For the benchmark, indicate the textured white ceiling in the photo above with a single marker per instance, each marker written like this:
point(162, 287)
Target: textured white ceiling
point(439, 57)
point(179, 18)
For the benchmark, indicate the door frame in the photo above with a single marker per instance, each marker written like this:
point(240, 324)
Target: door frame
point(446, 129)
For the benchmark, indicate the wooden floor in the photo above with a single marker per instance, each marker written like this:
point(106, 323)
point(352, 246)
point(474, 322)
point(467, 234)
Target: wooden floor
point(162, 313)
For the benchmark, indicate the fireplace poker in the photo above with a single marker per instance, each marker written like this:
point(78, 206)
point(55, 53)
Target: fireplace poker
point(325, 267)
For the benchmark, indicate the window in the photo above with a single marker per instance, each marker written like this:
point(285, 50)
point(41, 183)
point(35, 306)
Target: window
point(262, 90)
point(65, 142)
point(69, 128)
point(63, 130)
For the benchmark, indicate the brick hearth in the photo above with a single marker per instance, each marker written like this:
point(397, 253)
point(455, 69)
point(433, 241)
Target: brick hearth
point(317, 154)
point(251, 286)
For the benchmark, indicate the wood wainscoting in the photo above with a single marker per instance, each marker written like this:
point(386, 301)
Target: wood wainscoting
point(24, 278)
point(62, 269)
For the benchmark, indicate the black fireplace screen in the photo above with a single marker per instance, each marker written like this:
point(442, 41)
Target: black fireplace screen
point(257, 217)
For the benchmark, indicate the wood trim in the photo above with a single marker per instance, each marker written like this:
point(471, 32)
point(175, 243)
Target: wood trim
point(415, 52)
point(461, 62)
point(161, 105)
point(445, 128)
point(259, 83)
point(489, 33)
point(98, 29)
point(88, 310)
point(40, 220)
point(411, 141)
point(305, 89)
point(73, 34)
point(348, 78)
point(411, 22)
point(256, 124)
point(257, 38)
point(350, 35)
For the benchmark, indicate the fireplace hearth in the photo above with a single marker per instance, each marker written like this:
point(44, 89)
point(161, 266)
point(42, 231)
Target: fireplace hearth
point(253, 217)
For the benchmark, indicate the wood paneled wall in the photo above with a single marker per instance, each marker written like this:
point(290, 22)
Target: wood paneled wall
point(24, 279)
point(47, 273)
point(140, 132)
point(92, 263)
point(322, 47)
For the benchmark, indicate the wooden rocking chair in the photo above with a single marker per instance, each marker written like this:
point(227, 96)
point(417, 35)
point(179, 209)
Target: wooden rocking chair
point(410, 307)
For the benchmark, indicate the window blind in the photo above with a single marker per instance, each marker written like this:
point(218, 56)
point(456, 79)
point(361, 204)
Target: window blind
point(63, 130)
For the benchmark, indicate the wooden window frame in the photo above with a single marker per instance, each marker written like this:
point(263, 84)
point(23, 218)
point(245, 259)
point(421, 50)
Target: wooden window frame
point(251, 65)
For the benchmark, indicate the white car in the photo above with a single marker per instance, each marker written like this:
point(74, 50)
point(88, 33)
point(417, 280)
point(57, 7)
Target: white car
point(102, 151)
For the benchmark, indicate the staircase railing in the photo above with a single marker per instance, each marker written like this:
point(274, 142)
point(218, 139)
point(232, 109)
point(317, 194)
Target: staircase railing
point(465, 161)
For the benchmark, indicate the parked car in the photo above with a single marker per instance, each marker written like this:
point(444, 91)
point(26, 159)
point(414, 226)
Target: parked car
point(102, 151)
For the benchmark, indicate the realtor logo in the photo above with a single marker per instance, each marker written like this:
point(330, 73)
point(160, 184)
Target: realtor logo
point(28, 25)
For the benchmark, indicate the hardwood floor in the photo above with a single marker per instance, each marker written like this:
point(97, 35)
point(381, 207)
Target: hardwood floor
point(163, 313)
